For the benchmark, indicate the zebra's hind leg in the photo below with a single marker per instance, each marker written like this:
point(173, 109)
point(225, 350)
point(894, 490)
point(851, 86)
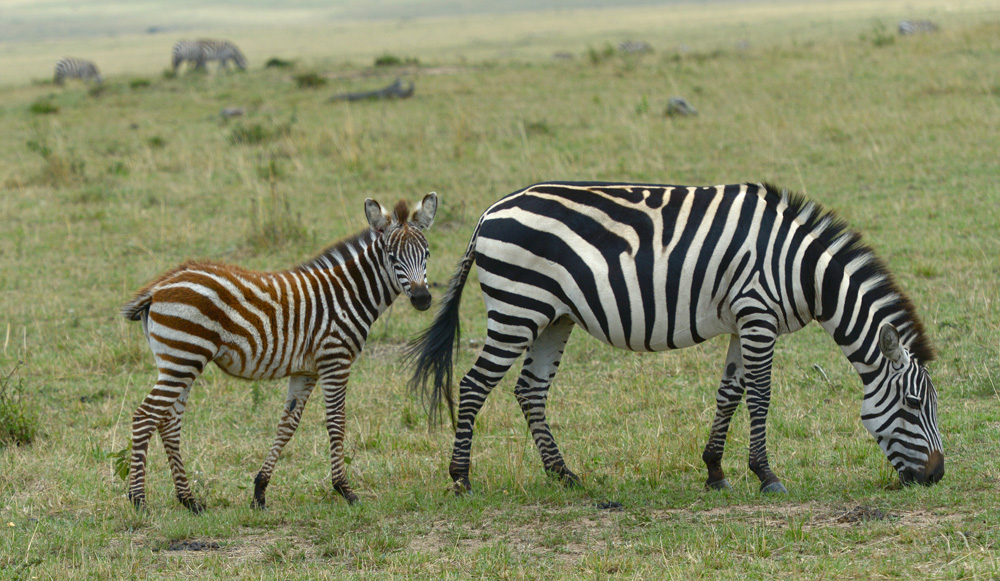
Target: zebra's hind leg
point(154, 410)
point(727, 399)
point(540, 365)
point(170, 435)
point(501, 350)
point(300, 387)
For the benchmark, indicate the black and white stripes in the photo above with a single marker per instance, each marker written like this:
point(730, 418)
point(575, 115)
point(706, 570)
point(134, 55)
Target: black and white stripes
point(198, 52)
point(653, 267)
point(74, 68)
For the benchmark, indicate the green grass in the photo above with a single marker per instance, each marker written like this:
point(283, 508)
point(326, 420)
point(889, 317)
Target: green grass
point(106, 190)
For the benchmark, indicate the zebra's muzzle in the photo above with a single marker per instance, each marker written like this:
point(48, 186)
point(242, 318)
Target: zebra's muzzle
point(933, 471)
point(420, 297)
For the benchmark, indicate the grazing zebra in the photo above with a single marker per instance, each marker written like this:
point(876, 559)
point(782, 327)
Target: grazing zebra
point(909, 27)
point(73, 68)
point(308, 323)
point(203, 50)
point(654, 267)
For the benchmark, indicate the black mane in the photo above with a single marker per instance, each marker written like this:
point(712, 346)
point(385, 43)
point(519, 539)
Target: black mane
point(832, 231)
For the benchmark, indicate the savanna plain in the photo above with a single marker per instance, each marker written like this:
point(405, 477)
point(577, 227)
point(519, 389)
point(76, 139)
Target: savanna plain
point(104, 187)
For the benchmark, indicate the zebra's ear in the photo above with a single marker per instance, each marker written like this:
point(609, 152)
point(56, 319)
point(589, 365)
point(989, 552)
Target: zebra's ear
point(378, 218)
point(423, 216)
point(888, 343)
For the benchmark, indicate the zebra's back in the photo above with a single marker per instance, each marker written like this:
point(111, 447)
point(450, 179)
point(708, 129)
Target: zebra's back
point(641, 267)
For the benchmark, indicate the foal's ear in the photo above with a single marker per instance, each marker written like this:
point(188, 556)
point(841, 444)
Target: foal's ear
point(888, 343)
point(378, 217)
point(423, 216)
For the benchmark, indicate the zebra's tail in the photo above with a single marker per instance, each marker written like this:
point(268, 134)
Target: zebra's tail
point(136, 308)
point(430, 354)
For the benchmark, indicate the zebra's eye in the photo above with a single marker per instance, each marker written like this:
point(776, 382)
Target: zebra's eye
point(392, 256)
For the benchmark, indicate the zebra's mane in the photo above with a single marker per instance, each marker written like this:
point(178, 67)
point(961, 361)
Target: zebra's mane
point(846, 245)
point(340, 252)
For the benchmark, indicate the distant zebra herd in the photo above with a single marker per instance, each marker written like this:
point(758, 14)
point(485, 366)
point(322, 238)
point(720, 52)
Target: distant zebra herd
point(196, 52)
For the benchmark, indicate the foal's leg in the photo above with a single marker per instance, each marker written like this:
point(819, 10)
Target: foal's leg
point(540, 365)
point(300, 387)
point(335, 361)
point(727, 399)
point(170, 435)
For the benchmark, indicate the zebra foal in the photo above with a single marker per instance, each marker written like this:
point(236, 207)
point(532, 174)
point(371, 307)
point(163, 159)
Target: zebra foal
point(74, 68)
point(308, 323)
point(654, 267)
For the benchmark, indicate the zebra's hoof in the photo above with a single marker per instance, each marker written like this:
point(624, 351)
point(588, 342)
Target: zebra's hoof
point(773, 488)
point(718, 485)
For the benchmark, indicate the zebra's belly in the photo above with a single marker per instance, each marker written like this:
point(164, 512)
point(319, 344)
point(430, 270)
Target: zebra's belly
point(266, 365)
point(659, 339)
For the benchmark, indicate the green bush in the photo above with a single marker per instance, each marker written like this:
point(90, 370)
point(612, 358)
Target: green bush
point(309, 81)
point(18, 424)
point(43, 107)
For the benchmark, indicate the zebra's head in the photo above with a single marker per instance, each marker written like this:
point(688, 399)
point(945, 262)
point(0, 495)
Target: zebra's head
point(900, 410)
point(405, 246)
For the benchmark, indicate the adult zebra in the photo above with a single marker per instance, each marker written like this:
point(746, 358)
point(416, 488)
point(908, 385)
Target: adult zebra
point(654, 267)
point(308, 323)
point(74, 68)
point(203, 50)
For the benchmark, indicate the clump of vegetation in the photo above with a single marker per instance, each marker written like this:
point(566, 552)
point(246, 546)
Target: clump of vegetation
point(156, 142)
point(139, 83)
point(43, 107)
point(256, 134)
point(272, 223)
point(879, 35)
point(309, 81)
point(18, 423)
point(60, 169)
point(597, 56)
point(97, 90)
point(277, 63)
point(169, 74)
point(391, 60)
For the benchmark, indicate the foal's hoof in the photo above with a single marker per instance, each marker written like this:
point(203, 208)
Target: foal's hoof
point(718, 485)
point(773, 488)
point(193, 505)
point(570, 480)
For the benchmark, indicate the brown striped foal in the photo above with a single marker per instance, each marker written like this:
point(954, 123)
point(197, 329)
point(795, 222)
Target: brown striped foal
point(308, 324)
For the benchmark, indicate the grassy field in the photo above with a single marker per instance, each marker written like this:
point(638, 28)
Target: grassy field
point(102, 189)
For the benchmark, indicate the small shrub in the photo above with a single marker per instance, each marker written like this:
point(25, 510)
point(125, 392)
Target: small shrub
point(309, 81)
point(139, 83)
point(879, 35)
point(43, 107)
point(277, 63)
point(18, 424)
point(391, 60)
point(597, 56)
point(255, 134)
point(156, 142)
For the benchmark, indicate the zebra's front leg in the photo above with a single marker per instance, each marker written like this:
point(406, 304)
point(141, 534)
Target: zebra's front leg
point(758, 353)
point(540, 365)
point(727, 399)
point(300, 387)
point(170, 435)
point(333, 378)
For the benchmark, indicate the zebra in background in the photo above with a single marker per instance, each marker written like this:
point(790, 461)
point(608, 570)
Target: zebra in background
point(74, 68)
point(653, 268)
point(308, 323)
point(203, 50)
point(910, 27)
